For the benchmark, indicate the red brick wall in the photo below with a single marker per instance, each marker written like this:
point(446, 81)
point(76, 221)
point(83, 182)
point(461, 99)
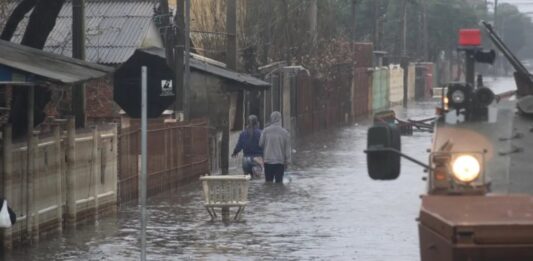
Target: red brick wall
point(100, 104)
point(99, 95)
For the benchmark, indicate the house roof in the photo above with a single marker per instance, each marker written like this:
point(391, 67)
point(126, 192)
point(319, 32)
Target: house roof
point(51, 67)
point(115, 29)
point(207, 67)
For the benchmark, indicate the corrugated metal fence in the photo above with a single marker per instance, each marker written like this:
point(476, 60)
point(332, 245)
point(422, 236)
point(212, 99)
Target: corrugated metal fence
point(177, 152)
point(361, 92)
point(322, 103)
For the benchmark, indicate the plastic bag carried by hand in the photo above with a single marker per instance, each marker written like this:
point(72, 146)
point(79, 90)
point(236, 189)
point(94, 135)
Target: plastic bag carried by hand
point(7, 216)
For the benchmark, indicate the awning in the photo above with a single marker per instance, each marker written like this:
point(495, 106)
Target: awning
point(49, 67)
point(206, 67)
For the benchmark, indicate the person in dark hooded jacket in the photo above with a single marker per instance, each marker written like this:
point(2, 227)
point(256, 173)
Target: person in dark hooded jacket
point(249, 144)
point(276, 144)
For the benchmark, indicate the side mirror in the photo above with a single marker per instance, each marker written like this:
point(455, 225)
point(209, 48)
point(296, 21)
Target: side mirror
point(383, 152)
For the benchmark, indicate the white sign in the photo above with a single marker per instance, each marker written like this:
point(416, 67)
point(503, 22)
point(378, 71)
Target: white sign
point(166, 88)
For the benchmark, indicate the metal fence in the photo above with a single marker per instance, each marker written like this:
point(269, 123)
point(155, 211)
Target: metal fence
point(322, 103)
point(177, 152)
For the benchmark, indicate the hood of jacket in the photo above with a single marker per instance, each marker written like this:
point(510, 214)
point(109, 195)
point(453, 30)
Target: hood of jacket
point(275, 118)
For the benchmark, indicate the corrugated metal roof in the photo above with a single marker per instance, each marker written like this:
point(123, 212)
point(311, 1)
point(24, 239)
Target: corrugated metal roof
point(115, 29)
point(197, 64)
point(52, 67)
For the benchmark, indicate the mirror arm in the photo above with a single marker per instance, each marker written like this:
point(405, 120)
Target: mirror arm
point(399, 153)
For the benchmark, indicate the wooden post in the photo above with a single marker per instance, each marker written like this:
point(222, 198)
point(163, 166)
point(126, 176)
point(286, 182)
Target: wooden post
point(59, 179)
point(34, 189)
point(29, 164)
point(7, 179)
point(70, 172)
point(114, 175)
point(95, 155)
point(186, 67)
point(164, 179)
point(179, 56)
point(78, 51)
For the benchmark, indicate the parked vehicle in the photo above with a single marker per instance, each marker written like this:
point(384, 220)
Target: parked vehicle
point(478, 204)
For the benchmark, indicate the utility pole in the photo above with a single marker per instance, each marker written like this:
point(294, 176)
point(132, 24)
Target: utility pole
point(424, 30)
point(231, 31)
point(313, 20)
point(187, 68)
point(164, 12)
point(376, 16)
point(404, 58)
point(404, 28)
point(497, 64)
point(164, 22)
point(496, 15)
point(78, 51)
point(354, 21)
point(179, 55)
point(231, 62)
point(486, 9)
point(354, 61)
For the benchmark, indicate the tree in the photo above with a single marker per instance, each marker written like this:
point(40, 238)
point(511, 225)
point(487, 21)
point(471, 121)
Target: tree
point(42, 21)
point(512, 26)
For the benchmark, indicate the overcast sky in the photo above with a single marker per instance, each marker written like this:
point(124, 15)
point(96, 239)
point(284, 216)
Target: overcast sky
point(523, 5)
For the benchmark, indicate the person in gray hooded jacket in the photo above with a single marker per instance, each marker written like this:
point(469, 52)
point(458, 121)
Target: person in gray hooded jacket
point(276, 144)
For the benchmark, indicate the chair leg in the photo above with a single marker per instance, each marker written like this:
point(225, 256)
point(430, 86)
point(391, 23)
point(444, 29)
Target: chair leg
point(238, 214)
point(211, 213)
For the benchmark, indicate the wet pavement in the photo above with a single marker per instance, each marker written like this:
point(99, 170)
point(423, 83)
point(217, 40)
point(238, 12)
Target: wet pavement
point(327, 210)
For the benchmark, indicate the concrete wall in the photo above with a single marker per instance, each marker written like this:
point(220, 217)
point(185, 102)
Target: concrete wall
point(380, 89)
point(395, 85)
point(210, 97)
point(72, 178)
point(411, 80)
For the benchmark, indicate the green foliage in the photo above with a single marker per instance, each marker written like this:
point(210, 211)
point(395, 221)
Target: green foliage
point(513, 26)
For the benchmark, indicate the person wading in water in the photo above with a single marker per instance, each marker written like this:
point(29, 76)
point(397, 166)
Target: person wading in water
point(276, 144)
point(252, 162)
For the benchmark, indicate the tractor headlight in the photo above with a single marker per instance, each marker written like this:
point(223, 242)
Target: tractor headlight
point(458, 97)
point(466, 168)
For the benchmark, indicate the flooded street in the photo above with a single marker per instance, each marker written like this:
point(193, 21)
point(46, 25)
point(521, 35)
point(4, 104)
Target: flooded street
point(500, 84)
point(329, 209)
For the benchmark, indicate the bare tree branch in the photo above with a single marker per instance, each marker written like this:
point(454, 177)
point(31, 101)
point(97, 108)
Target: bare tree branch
point(42, 21)
point(18, 14)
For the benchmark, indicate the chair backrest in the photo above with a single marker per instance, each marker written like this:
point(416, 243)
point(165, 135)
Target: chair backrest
point(225, 189)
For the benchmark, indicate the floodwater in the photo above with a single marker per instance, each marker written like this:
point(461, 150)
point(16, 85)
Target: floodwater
point(329, 209)
point(500, 84)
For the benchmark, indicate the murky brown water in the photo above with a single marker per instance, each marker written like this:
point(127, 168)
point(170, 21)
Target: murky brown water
point(330, 210)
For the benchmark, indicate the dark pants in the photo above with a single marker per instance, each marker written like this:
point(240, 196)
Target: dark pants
point(274, 171)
